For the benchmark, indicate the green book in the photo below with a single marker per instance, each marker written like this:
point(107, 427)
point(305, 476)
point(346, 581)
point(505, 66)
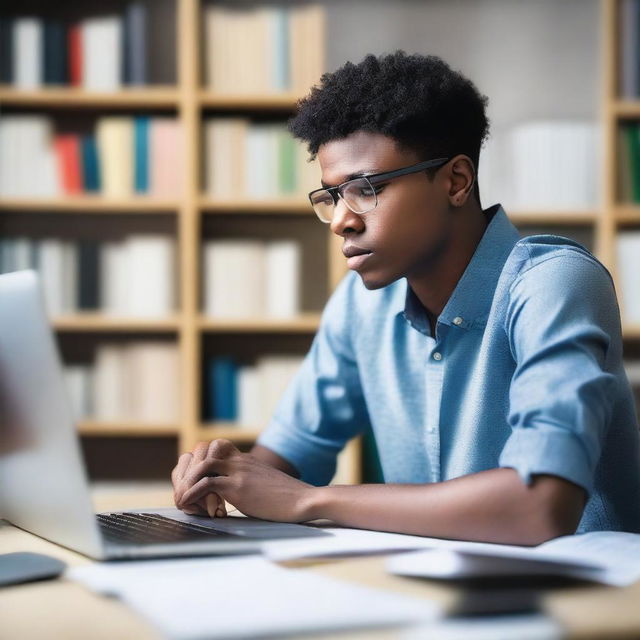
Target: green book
point(287, 174)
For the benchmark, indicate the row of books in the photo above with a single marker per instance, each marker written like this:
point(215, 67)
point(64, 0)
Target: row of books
point(124, 156)
point(263, 49)
point(247, 393)
point(628, 161)
point(251, 278)
point(135, 381)
point(99, 53)
point(134, 276)
point(542, 165)
point(629, 48)
point(628, 268)
point(255, 160)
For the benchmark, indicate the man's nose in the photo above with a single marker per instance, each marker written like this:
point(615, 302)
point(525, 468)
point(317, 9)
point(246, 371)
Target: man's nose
point(344, 219)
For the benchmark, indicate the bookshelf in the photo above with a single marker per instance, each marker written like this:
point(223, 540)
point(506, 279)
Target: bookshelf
point(195, 215)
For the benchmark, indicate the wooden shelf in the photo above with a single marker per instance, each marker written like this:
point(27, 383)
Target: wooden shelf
point(626, 214)
point(296, 205)
point(305, 323)
point(126, 429)
point(65, 97)
point(626, 108)
point(554, 217)
point(248, 102)
point(631, 332)
point(229, 431)
point(88, 322)
point(90, 204)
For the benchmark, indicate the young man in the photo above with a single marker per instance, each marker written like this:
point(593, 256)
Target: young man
point(489, 367)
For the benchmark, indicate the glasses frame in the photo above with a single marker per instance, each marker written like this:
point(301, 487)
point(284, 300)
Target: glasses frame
point(375, 178)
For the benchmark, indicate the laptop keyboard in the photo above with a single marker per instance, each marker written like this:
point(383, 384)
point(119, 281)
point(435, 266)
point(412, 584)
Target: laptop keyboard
point(151, 528)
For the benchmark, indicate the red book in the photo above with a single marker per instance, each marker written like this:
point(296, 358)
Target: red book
point(67, 148)
point(74, 36)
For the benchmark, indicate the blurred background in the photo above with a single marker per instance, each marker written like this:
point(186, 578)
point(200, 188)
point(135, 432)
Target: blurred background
point(147, 174)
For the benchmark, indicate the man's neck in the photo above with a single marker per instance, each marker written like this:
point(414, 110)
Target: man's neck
point(434, 287)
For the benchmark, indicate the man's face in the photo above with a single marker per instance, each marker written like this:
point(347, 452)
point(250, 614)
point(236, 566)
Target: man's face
point(411, 225)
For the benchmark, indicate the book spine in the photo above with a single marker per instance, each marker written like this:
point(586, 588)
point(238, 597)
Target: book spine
point(75, 60)
point(6, 50)
point(222, 389)
point(141, 145)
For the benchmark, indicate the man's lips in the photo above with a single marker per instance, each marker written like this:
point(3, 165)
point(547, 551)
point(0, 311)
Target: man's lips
point(352, 250)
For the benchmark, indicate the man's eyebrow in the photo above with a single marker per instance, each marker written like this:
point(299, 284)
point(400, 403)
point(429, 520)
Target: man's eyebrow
point(351, 176)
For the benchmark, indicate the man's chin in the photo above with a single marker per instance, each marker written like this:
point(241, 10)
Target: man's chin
point(374, 281)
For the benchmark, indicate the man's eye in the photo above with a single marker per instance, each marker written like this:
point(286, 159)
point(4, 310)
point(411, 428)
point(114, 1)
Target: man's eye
point(367, 192)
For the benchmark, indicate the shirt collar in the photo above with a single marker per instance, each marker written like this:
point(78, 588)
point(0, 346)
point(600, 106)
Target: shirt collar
point(470, 301)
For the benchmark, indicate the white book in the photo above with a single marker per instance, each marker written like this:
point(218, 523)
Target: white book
point(250, 414)
point(153, 371)
point(27, 52)
point(102, 53)
point(283, 266)
point(78, 381)
point(111, 383)
point(276, 373)
point(51, 270)
point(23, 249)
point(113, 277)
point(258, 160)
point(234, 278)
point(150, 275)
point(628, 267)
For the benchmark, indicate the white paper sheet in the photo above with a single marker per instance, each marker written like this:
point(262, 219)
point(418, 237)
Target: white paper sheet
point(609, 557)
point(246, 597)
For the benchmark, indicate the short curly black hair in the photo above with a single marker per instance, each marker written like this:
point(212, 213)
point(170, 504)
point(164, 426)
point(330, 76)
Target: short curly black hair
point(418, 100)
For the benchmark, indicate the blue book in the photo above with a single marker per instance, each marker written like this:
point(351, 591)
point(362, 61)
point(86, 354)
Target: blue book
point(141, 146)
point(222, 389)
point(90, 165)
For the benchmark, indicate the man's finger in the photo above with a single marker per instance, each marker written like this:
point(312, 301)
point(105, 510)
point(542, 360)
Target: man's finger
point(215, 505)
point(208, 467)
point(203, 487)
point(180, 469)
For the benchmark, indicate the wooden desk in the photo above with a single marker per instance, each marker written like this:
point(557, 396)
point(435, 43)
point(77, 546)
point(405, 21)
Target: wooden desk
point(62, 610)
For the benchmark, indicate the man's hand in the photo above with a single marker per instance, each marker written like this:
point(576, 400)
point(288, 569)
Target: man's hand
point(218, 471)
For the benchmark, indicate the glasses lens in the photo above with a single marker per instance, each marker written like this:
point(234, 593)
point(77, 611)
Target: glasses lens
point(323, 205)
point(359, 195)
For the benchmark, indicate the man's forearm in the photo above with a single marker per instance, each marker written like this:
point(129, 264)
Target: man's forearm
point(490, 506)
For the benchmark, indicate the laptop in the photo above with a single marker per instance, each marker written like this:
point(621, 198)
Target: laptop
point(43, 481)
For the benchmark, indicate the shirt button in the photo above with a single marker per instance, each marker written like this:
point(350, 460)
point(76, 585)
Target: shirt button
point(437, 355)
point(458, 321)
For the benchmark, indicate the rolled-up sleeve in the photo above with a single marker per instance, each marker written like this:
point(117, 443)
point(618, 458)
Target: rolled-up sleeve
point(323, 407)
point(562, 314)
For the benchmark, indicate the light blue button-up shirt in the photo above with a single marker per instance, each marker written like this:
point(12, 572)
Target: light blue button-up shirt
point(524, 371)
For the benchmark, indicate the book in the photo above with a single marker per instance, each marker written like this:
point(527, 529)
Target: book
point(90, 165)
point(68, 154)
point(6, 50)
point(27, 52)
point(141, 150)
point(222, 389)
point(628, 267)
point(79, 385)
point(110, 390)
point(150, 278)
point(135, 44)
point(54, 62)
point(233, 278)
point(75, 59)
point(114, 137)
point(166, 153)
point(51, 271)
point(101, 44)
point(88, 291)
point(152, 373)
point(282, 270)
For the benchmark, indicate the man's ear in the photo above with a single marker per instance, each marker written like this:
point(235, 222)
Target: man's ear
point(463, 176)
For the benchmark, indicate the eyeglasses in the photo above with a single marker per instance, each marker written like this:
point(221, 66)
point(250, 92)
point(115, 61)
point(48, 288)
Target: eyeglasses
point(360, 194)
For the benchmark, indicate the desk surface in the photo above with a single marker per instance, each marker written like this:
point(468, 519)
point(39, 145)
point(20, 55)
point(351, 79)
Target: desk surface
point(63, 610)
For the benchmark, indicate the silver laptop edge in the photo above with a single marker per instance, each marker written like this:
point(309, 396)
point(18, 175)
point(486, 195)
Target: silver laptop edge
point(43, 482)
